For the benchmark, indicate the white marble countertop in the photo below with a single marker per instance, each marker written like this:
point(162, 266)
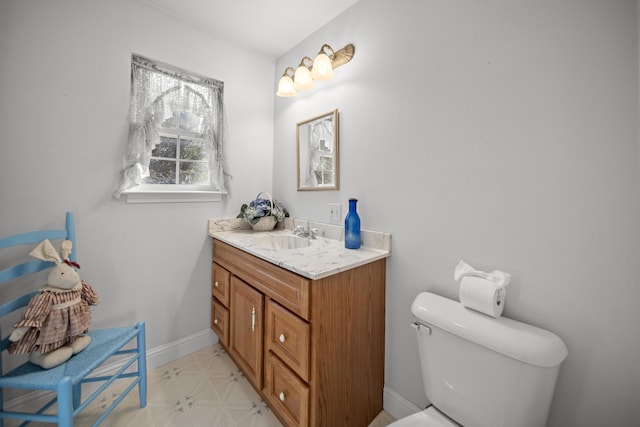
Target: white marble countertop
point(325, 255)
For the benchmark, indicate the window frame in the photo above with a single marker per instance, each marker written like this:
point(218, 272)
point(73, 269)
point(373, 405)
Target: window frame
point(141, 192)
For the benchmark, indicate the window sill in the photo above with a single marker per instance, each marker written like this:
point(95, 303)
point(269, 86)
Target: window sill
point(173, 196)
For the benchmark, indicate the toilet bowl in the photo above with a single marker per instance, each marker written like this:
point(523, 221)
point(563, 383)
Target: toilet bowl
point(430, 417)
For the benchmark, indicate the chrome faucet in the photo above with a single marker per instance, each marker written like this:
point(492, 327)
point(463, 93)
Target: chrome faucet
point(308, 232)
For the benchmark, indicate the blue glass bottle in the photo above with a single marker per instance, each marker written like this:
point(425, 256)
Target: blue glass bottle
point(352, 227)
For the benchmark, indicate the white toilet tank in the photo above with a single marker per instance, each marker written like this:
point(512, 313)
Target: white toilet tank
point(485, 372)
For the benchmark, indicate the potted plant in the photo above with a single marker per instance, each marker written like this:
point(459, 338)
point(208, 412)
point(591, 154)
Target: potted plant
point(263, 214)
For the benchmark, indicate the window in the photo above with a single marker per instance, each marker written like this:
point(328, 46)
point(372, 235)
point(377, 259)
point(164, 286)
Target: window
point(176, 138)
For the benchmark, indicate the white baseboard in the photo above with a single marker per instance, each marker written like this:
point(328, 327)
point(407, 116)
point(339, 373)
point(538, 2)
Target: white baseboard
point(396, 405)
point(156, 357)
point(173, 350)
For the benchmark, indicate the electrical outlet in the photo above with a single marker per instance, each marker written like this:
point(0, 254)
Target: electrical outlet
point(335, 213)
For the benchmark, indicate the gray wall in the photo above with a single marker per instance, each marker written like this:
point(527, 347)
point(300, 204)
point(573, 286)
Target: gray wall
point(64, 99)
point(504, 134)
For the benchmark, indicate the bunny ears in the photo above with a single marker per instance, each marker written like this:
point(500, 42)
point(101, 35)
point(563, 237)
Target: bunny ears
point(46, 252)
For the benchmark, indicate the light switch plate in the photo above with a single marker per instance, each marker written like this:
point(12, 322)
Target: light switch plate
point(335, 213)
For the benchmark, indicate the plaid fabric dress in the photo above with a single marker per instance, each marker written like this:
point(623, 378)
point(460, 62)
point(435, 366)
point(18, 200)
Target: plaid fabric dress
point(55, 317)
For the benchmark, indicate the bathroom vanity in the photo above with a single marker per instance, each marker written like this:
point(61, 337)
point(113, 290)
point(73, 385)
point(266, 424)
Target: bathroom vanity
point(304, 324)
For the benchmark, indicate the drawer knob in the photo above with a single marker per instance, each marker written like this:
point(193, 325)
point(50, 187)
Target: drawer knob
point(282, 396)
point(215, 321)
point(282, 338)
point(216, 284)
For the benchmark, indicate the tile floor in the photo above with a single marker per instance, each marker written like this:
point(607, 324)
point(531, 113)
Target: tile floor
point(202, 389)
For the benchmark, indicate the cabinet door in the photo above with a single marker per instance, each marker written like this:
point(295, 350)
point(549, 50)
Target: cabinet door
point(247, 329)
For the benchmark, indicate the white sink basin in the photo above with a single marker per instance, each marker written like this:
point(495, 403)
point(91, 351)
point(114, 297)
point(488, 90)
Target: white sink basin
point(280, 242)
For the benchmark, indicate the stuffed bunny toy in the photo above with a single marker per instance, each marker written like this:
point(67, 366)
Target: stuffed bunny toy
point(53, 325)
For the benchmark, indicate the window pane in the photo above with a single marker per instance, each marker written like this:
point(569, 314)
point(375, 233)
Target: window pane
point(192, 149)
point(161, 172)
point(194, 173)
point(324, 171)
point(327, 177)
point(166, 148)
point(327, 163)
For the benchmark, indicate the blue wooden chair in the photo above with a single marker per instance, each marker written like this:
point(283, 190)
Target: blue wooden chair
point(128, 343)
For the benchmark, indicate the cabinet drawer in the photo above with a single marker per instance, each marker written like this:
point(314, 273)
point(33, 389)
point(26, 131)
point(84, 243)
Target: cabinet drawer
point(289, 289)
point(220, 321)
point(287, 394)
point(288, 337)
point(220, 284)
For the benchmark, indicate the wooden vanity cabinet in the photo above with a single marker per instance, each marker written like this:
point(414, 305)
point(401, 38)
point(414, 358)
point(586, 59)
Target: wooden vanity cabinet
point(314, 349)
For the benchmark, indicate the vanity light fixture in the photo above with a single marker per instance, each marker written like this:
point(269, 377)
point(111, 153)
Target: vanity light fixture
point(286, 87)
point(321, 68)
point(302, 79)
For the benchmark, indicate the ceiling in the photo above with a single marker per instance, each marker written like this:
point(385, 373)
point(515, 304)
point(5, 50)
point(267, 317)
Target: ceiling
point(269, 26)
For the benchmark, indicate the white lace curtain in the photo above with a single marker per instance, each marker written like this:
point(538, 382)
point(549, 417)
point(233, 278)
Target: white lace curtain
point(156, 88)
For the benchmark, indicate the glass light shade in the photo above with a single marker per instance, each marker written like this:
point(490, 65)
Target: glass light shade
point(302, 79)
point(322, 68)
point(285, 87)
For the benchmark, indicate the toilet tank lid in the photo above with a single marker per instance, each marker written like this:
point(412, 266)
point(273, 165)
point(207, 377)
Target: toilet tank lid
point(517, 340)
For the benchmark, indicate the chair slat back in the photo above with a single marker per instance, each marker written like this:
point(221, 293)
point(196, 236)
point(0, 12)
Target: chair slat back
point(31, 237)
point(24, 269)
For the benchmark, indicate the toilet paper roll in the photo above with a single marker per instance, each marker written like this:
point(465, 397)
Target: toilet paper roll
point(482, 295)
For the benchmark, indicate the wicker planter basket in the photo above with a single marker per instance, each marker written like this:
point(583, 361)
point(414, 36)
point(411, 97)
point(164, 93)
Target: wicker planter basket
point(266, 223)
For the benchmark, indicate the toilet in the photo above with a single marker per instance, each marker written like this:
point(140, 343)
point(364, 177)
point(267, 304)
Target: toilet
point(482, 372)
